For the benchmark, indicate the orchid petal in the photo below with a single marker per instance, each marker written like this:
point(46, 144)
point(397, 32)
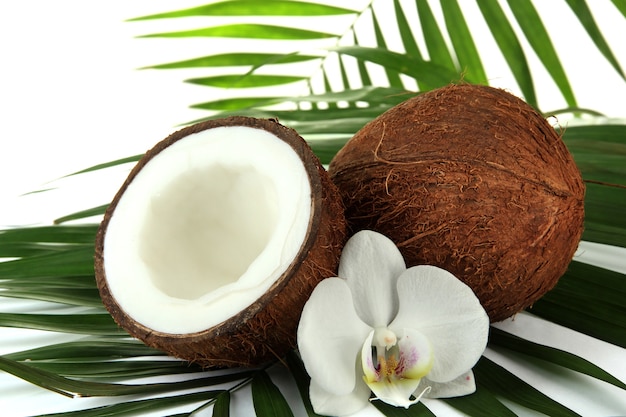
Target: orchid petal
point(416, 353)
point(328, 403)
point(371, 264)
point(464, 384)
point(367, 359)
point(448, 313)
point(330, 336)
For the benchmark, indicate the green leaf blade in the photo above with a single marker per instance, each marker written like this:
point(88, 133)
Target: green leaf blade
point(71, 262)
point(536, 34)
point(83, 297)
point(267, 398)
point(584, 15)
point(247, 31)
point(620, 5)
point(432, 75)
point(75, 234)
point(435, 44)
point(25, 249)
point(82, 214)
point(122, 161)
point(235, 60)
point(86, 388)
point(237, 103)
point(599, 152)
point(139, 407)
point(221, 407)
point(500, 382)
point(245, 80)
point(464, 46)
point(551, 355)
point(302, 379)
point(254, 8)
point(481, 403)
point(392, 75)
point(83, 351)
point(408, 40)
point(582, 301)
point(88, 324)
point(510, 47)
point(604, 219)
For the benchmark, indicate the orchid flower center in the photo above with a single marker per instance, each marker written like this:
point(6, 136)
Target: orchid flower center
point(393, 366)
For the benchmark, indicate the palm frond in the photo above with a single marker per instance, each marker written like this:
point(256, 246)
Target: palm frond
point(449, 60)
point(345, 74)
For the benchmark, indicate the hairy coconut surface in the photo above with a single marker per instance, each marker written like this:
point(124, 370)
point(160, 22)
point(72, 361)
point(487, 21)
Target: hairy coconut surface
point(474, 180)
point(216, 239)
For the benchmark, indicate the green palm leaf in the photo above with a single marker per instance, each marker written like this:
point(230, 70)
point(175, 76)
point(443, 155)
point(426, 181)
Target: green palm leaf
point(221, 408)
point(82, 388)
point(537, 36)
point(459, 61)
point(502, 383)
point(430, 73)
point(109, 349)
point(71, 262)
point(236, 59)
point(588, 299)
point(87, 324)
point(435, 43)
point(582, 12)
point(267, 398)
point(247, 31)
point(464, 46)
point(342, 90)
point(621, 6)
point(510, 47)
point(550, 355)
point(132, 408)
point(482, 402)
point(82, 214)
point(254, 8)
point(245, 80)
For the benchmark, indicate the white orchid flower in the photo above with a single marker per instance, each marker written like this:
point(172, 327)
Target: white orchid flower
point(400, 333)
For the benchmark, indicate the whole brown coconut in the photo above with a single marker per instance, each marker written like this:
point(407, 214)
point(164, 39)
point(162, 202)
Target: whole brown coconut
point(471, 179)
point(214, 243)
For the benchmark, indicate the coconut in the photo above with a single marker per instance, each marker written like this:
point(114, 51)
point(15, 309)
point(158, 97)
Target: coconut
point(471, 179)
point(216, 239)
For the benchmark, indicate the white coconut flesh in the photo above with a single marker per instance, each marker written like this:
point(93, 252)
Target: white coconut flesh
point(206, 227)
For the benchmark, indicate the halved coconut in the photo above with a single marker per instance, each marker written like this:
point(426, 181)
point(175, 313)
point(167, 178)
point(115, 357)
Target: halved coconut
point(217, 238)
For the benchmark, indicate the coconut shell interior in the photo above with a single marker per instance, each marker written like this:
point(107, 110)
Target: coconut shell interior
point(265, 330)
point(471, 179)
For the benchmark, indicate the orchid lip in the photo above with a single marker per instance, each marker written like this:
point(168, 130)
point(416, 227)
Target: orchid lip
point(393, 366)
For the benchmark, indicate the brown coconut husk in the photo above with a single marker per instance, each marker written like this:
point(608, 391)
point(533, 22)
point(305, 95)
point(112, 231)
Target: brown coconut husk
point(471, 179)
point(266, 330)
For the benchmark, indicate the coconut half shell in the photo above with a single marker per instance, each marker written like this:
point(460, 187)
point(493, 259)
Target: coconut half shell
point(471, 179)
point(157, 226)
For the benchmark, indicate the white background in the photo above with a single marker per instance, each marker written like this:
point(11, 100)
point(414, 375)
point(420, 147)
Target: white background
point(71, 97)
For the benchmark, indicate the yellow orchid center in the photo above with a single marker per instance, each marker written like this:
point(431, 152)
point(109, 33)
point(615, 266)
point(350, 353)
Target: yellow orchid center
point(393, 367)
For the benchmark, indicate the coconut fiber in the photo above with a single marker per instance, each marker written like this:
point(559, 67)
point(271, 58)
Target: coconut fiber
point(471, 179)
